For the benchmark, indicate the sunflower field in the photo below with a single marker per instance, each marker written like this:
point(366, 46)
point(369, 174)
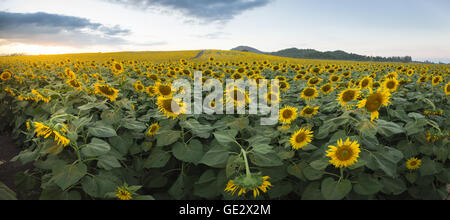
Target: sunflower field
point(101, 126)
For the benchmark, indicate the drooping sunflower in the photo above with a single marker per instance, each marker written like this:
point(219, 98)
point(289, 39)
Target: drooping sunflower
point(327, 88)
point(374, 102)
point(413, 164)
point(170, 106)
point(391, 84)
point(309, 93)
point(107, 91)
point(301, 138)
point(309, 111)
point(347, 96)
point(164, 89)
point(345, 154)
point(6, 75)
point(45, 131)
point(153, 129)
point(244, 184)
point(288, 114)
point(74, 84)
point(447, 89)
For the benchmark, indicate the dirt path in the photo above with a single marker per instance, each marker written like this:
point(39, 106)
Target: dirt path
point(8, 170)
point(199, 55)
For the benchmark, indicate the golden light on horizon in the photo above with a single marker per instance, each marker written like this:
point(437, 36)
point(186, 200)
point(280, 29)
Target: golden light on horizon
point(37, 49)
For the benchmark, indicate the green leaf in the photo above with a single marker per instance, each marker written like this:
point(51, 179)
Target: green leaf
point(132, 124)
point(312, 192)
point(263, 148)
point(393, 186)
point(265, 160)
point(108, 162)
point(333, 190)
point(367, 185)
point(312, 174)
point(144, 198)
point(297, 170)
point(192, 153)
point(216, 157)
point(157, 159)
point(98, 186)
point(68, 175)
point(102, 131)
point(167, 137)
point(6, 193)
point(225, 137)
point(96, 148)
point(428, 167)
point(202, 131)
point(321, 164)
point(387, 158)
point(388, 129)
point(234, 166)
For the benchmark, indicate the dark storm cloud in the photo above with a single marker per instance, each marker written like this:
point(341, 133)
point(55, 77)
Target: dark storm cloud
point(206, 10)
point(57, 30)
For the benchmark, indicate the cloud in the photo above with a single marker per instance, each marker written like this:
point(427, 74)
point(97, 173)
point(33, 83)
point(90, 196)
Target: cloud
point(57, 30)
point(205, 10)
point(213, 35)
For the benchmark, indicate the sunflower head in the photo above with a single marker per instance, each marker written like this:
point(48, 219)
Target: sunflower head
point(327, 88)
point(348, 95)
point(288, 114)
point(123, 194)
point(6, 75)
point(374, 102)
point(153, 129)
point(244, 184)
point(309, 93)
point(301, 138)
point(170, 106)
point(365, 83)
point(74, 84)
point(413, 164)
point(345, 154)
point(164, 89)
point(391, 84)
point(107, 91)
point(309, 111)
point(447, 89)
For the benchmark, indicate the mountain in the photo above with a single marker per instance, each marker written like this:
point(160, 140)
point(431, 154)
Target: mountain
point(328, 55)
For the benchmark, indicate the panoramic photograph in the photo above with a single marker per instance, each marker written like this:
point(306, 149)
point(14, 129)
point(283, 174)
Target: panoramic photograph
point(236, 101)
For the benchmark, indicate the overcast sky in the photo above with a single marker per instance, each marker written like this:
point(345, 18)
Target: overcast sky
point(419, 28)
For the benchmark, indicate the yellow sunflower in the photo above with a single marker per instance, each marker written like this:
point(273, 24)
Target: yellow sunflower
point(5, 76)
point(153, 129)
point(413, 164)
point(45, 131)
point(335, 78)
point(138, 86)
point(123, 194)
point(366, 83)
point(301, 138)
point(107, 91)
point(309, 93)
point(244, 184)
point(374, 102)
point(345, 154)
point(151, 91)
point(164, 89)
point(273, 98)
point(314, 81)
point(74, 84)
point(288, 114)
point(284, 85)
point(309, 111)
point(237, 96)
point(447, 89)
point(327, 88)
point(347, 96)
point(436, 80)
point(391, 84)
point(170, 106)
point(117, 68)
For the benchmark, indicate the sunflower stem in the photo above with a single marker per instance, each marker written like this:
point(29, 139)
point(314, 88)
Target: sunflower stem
point(342, 174)
point(247, 168)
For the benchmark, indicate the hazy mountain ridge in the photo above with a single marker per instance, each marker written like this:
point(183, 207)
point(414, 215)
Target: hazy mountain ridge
point(328, 55)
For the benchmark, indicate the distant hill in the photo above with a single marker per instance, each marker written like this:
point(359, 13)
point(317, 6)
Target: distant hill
point(328, 55)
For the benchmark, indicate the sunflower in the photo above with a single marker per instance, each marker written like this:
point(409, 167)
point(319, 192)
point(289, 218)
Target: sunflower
point(365, 83)
point(436, 80)
point(236, 96)
point(298, 77)
point(151, 91)
point(301, 138)
point(374, 102)
point(423, 79)
point(6, 75)
point(392, 75)
point(45, 131)
point(237, 76)
point(391, 84)
point(327, 88)
point(447, 89)
point(281, 78)
point(345, 154)
point(107, 91)
point(123, 194)
point(288, 114)
point(117, 68)
point(153, 77)
point(164, 89)
point(413, 164)
point(284, 85)
point(273, 98)
point(313, 82)
point(153, 129)
point(335, 78)
point(74, 84)
point(309, 111)
point(170, 106)
point(309, 93)
point(244, 184)
point(347, 96)
point(138, 86)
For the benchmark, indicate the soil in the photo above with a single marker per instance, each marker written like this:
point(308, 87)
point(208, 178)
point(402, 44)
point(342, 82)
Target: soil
point(8, 170)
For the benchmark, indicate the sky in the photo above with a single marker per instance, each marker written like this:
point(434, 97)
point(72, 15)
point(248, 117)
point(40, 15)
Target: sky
point(417, 28)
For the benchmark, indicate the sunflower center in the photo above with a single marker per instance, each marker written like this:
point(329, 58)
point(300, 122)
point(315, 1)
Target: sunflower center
point(413, 163)
point(74, 83)
point(140, 87)
point(348, 96)
point(326, 88)
point(165, 90)
point(313, 81)
point(118, 67)
point(436, 80)
point(153, 129)
point(300, 138)
point(168, 104)
point(106, 90)
point(283, 85)
point(309, 111)
point(365, 83)
point(344, 153)
point(334, 78)
point(390, 85)
point(287, 113)
point(309, 92)
point(448, 88)
point(374, 102)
